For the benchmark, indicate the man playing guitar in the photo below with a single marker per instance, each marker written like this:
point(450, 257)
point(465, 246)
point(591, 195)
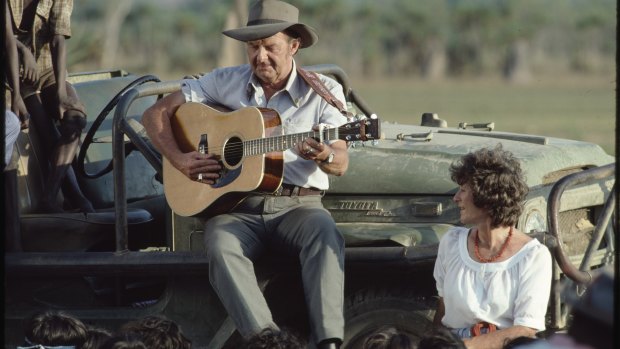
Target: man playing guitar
point(292, 219)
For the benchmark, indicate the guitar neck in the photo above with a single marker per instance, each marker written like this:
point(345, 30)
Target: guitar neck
point(284, 142)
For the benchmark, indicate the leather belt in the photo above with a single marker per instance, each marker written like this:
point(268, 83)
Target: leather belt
point(293, 190)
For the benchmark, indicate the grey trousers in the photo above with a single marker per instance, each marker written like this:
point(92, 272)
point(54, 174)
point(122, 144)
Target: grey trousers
point(297, 225)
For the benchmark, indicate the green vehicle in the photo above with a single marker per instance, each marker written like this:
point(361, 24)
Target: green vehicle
point(136, 257)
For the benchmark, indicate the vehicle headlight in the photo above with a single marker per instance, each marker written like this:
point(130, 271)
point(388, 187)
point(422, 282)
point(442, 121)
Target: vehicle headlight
point(535, 222)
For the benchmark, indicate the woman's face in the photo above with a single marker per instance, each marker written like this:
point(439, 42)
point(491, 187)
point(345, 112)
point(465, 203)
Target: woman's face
point(470, 213)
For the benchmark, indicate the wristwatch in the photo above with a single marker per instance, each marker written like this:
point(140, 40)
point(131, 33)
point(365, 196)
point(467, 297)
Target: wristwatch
point(329, 159)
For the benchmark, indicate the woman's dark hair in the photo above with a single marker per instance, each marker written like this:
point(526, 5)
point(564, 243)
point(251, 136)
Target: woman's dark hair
point(55, 328)
point(497, 183)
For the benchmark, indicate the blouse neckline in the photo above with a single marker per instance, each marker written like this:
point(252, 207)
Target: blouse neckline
point(494, 266)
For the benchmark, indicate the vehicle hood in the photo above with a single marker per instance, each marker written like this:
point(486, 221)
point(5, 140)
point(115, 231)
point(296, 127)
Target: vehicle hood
point(416, 159)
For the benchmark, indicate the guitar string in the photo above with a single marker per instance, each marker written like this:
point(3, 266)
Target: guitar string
point(238, 148)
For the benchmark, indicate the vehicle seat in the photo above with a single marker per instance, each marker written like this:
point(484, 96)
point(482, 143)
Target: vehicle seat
point(61, 232)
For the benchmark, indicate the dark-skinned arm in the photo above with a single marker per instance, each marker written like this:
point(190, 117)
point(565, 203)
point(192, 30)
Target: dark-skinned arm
point(59, 60)
point(439, 313)
point(29, 63)
point(17, 103)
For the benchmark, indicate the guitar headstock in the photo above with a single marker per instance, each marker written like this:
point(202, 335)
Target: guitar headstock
point(360, 130)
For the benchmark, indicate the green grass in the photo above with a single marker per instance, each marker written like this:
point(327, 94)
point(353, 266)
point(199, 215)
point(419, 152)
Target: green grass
point(581, 108)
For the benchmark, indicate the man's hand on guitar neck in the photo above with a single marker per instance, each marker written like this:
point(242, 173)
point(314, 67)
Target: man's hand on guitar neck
point(310, 149)
point(332, 159)
point(199, 167)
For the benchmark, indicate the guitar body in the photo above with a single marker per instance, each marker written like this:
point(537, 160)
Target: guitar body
point(223, 134)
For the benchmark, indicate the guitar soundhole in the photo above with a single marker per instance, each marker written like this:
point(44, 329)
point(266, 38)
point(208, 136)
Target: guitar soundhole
point(233, 151)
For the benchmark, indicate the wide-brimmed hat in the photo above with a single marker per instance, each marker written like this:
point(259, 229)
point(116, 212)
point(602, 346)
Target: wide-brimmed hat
point(269, 17)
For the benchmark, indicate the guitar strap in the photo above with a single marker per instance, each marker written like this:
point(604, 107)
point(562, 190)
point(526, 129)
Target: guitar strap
point(319, 87)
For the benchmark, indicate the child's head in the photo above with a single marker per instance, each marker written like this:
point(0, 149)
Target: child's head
point(158, 332)
point(55, 328)
point(95, 337)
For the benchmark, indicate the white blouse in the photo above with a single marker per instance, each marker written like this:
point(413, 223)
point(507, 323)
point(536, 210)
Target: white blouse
point(507, 293)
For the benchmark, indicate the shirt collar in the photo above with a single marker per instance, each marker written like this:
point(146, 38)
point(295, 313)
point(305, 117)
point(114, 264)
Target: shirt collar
point(292, 86)
point(17, 8)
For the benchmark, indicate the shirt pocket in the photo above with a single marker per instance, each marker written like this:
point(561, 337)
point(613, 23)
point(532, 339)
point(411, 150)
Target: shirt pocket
point(297, 126)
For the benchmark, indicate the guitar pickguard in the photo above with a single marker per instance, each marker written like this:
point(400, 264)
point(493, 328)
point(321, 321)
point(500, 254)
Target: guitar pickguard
point(227, 176)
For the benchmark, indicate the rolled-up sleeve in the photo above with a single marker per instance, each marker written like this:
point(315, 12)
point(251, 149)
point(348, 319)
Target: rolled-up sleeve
point(192, 91)
point(203, 90)
point(60, 17)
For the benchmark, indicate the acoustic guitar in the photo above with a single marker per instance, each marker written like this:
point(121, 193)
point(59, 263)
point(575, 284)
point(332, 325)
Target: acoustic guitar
point(249, 143)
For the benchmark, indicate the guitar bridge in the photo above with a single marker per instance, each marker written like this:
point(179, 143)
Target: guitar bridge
point(203, 144)
point(202, 149)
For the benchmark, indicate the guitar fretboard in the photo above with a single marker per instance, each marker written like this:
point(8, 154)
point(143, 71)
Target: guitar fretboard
point(284, 142)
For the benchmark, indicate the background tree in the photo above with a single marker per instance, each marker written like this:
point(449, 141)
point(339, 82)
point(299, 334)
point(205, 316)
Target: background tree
point(231, 52)
point(114, 16)
point(426, 39)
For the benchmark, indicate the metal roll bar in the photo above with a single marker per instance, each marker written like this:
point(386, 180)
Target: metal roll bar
point(580, 275)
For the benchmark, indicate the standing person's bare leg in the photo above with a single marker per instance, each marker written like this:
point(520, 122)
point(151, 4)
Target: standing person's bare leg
point(65, 147)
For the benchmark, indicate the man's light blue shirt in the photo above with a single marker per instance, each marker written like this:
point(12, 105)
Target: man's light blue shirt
point(299, 107)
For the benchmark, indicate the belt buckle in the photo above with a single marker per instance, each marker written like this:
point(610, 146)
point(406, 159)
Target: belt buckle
point(295, 191)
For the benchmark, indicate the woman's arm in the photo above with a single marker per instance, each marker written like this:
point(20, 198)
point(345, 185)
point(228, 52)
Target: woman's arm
point(441, 310)
point(493, 340)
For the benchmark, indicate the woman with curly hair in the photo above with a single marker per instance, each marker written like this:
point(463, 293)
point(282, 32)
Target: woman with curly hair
point(493, 280)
